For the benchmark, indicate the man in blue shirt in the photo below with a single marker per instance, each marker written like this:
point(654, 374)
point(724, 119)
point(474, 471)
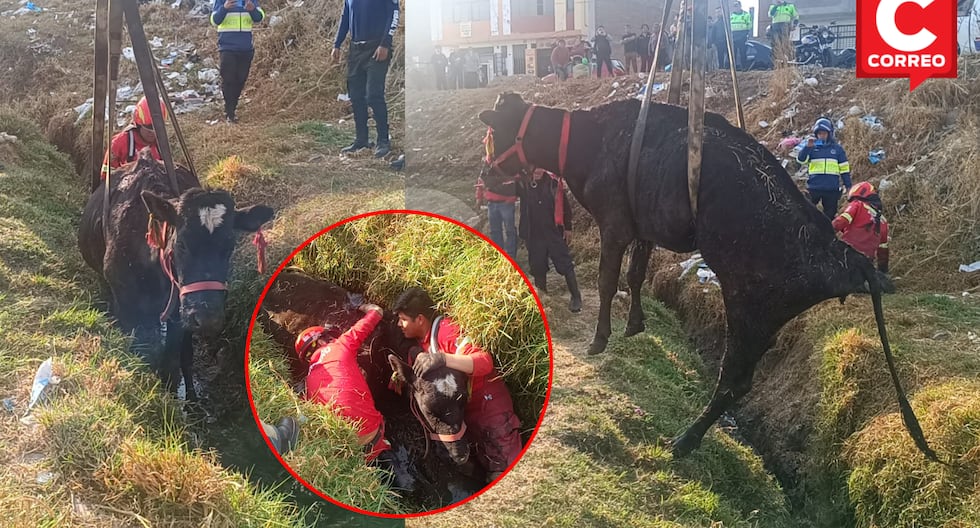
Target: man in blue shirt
point(371, 25)
point(234, 19)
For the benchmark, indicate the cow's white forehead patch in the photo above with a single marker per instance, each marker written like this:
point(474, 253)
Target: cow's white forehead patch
point(212, 217)
point(447, 385)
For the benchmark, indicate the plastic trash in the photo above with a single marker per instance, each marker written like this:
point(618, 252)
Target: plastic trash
point(811, 81)
point(9, 404)
point(176, 4)
point(705, 275)
point(873, 122)
point(343, 97)
point(884, 185)
point(31, 7)
point(855, 110)
point(128, 53)
point(83, 109)
point(42, 379)
point(157, 42)
point(689, 264)
point(274, 20)
point(167, 62)
point(875, 156)
point(970, 268)
point(616, 84)
point(789, 142)
point(208, 75)
point(840, 124)
point(764, 124)
point(667, 68)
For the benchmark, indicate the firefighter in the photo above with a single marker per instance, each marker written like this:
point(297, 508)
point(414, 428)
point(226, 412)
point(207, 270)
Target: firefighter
point(135, 137)
point(491, 423)
point(863, 226)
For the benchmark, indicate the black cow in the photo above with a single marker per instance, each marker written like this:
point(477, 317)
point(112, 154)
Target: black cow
point(774, 253)
point(440, 396)
point(200, 232)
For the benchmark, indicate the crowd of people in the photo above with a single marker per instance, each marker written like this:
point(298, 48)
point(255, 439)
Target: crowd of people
point(458, 71)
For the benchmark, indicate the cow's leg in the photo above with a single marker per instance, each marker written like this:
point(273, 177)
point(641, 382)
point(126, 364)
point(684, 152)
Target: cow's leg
point(614, 243)
point(639, 259)
point(170, 362)
point(744, 347)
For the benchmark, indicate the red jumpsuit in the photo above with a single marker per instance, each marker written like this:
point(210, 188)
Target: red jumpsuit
point(857, 224)
point(123, 149)
point(336, 380)
point(490, 417)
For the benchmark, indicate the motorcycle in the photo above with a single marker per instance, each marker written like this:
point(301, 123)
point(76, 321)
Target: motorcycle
point(816, 47)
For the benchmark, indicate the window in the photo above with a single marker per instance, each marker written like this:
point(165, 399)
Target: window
point(470, 11)
point(540, 7)
point(530, 8)
point(569, 6)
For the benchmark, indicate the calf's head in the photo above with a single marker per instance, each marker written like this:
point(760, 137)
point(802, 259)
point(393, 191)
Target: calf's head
point(202, 242)
point(441, 395)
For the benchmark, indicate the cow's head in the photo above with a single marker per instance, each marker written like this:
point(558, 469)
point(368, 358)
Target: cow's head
point(505, 120)
point(203, 239)
point(441, 395)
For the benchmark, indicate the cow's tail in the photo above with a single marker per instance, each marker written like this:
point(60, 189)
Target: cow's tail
point(908, 416)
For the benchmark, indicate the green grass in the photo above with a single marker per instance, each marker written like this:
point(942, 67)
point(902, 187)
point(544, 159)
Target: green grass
point(111, 441)
point(864, 469)
point(325, 133)
point(466, 277)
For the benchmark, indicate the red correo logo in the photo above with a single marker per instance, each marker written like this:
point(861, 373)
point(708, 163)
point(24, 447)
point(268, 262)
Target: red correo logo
point(906, 38)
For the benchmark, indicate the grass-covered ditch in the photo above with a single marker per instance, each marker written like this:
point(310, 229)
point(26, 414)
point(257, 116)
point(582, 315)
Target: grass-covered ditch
point(379, 257)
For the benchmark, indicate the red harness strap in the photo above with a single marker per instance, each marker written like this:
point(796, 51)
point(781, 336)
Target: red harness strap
point(566, 130)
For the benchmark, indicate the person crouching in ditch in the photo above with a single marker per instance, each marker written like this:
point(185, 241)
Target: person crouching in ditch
point(335, 380)
point(490, 419)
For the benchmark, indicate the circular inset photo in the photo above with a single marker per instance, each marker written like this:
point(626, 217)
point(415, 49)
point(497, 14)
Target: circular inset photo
point(398, 363)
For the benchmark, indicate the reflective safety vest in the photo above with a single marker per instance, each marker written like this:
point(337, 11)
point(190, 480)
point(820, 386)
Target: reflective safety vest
point(741, 21)
point(235, 26)
point(783, 13)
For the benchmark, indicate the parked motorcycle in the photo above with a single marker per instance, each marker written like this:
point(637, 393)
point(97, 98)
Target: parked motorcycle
point(816, 47)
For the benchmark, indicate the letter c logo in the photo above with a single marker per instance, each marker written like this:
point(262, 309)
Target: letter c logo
point(885, 18)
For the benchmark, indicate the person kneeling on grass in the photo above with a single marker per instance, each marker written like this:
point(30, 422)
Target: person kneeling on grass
point(335, 380)
point(491, 423)
point(862, 225)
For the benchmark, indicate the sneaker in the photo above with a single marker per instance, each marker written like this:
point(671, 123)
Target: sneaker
point(288, 432)
point(356, 146)
point(231, 119)
point(384, 148)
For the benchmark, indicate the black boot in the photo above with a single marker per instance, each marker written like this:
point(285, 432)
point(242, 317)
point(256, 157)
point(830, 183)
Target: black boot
point(541, 283)
point(357, 145)
point(575, 304)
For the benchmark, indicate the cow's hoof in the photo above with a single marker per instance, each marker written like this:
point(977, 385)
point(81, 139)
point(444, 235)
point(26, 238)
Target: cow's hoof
point(598, 345)
point(682, 445)
point(633, 329)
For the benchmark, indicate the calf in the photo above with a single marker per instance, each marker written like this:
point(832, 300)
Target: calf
point(183, 264)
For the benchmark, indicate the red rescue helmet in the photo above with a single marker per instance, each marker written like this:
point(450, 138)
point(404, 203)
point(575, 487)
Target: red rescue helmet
point(861, 190)
point(306, 339)
point(141, 114)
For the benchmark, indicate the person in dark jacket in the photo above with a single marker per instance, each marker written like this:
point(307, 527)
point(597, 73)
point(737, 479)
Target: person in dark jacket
point(827, 165)
point(234, 20)
point(643, 48)
point(371, 25)
point(439, 64)
point(456, 70)
point(546, 222)
point(631, 55)
point(717, 38)
point(603, 52)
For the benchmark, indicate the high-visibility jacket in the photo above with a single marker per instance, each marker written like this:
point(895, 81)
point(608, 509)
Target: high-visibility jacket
point(335, 379)
point(857, 225)
point(741, 21)
point(827, 165)
point(783, 13)
point(123, 149)
point(235, 25)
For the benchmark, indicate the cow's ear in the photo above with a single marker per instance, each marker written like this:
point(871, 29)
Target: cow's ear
point(489, 118)
point(402, 370)
point(160, 207)
point(251, 218)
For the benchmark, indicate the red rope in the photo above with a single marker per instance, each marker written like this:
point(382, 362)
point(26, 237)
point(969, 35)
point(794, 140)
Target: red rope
point(260, 244)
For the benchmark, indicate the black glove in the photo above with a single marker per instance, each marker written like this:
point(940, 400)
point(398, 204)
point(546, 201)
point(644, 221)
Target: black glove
point(426, 362)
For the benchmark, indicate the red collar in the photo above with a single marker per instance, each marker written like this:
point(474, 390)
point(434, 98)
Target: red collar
point(518, 146)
